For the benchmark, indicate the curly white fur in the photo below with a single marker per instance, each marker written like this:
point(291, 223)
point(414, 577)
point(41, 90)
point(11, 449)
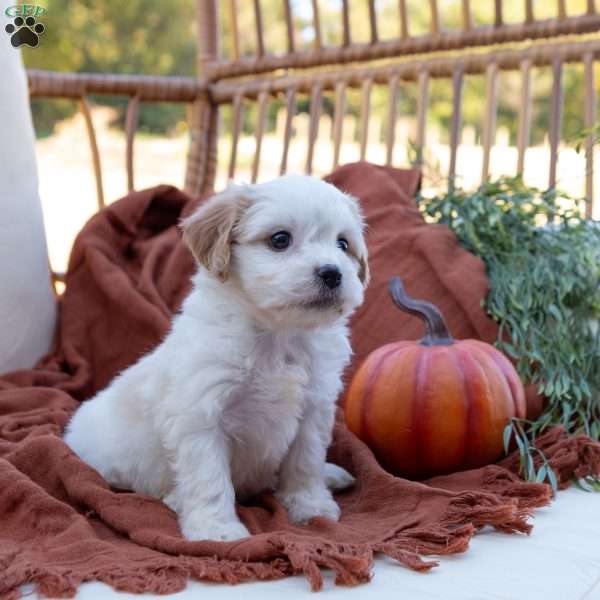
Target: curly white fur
point(240, 396)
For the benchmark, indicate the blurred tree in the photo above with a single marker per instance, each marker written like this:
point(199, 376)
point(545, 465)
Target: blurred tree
point(154, 37)
point(158, 37)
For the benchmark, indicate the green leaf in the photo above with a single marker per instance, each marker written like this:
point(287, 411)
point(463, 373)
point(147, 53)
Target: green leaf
point(541, 474)
point(544, 287)
point(552, 480)
point(555, 312)
point(530, 467)
point(506, 437)
point(577, 484)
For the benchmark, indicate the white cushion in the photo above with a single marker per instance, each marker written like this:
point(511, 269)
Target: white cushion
point(27, 305)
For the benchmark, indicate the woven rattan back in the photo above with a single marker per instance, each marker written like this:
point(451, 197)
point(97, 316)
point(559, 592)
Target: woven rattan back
point(326, 71)
point(323, 74)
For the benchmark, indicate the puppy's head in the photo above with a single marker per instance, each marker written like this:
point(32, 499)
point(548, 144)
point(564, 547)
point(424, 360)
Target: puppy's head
point(293, 248)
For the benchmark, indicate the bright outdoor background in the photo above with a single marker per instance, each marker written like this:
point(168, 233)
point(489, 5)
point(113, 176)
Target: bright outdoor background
point(159, 37)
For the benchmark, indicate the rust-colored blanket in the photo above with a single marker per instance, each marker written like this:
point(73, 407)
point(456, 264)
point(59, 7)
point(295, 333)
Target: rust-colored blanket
point(60, 523)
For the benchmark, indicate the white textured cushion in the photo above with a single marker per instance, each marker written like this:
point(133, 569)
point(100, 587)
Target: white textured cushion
point(27, 305)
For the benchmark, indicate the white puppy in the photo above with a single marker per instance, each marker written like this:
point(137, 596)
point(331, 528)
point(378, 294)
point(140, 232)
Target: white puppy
point(240, 396)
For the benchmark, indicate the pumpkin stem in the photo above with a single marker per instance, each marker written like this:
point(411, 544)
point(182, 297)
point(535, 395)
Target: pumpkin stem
point(436, 330)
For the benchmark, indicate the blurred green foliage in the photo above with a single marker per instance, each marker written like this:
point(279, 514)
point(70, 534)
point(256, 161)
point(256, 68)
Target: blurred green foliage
point(159, 37)
point(542, 262)
point(138, 36)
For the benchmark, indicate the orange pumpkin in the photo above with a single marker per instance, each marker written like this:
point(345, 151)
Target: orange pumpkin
point(436, 405)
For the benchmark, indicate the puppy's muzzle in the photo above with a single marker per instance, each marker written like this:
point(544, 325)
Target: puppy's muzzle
point(330, 275)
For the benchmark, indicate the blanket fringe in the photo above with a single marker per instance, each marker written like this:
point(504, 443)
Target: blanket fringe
point(507, 508)
point(165, 577)
point(483, 508)
point(571, 457)
point(407, 546)
point(350, 563)
point(408, 558)
point(574, 458)
point(506, 505)
point(527, 495)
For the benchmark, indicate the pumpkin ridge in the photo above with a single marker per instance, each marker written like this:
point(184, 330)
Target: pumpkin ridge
point(506, 380)
point(460, 370)
point(475, 372)
point(391, 400)
point(488, 357)
point(506, 369)
point(421, 364)
point(474, 375)
point(370, 384)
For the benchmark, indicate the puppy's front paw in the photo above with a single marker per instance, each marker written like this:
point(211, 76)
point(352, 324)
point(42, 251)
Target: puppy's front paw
point(306, 504)
point(194, 529)
point(337, 478)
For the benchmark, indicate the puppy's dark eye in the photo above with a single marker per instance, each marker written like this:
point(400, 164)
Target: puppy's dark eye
point(280, 240)
point(342, 244)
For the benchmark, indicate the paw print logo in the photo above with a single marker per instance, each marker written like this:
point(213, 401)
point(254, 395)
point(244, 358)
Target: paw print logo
point(25, 31)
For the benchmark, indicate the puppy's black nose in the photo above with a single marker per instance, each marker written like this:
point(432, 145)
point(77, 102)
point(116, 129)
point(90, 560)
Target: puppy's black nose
point(330, 275)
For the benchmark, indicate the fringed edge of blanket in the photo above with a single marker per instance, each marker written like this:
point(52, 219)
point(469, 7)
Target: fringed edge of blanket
point(467, 512)
point(571, 457)
point(506, 505)
point(164, 576)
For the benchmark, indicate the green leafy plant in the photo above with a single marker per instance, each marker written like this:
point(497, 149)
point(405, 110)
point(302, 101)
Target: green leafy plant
point(592, 133)
point(543, 264)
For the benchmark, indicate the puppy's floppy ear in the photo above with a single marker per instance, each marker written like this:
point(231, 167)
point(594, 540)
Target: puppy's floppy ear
point(364, 273)
point(208, 232)
point(360, 253)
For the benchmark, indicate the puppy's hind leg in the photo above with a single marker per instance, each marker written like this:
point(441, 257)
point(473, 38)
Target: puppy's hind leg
point(337, 478)
point(108, 433)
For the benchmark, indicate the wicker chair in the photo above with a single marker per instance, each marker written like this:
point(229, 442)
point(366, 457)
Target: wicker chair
point(239, 81)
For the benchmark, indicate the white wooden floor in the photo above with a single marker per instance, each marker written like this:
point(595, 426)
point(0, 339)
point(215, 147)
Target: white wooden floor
point(560, 560)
